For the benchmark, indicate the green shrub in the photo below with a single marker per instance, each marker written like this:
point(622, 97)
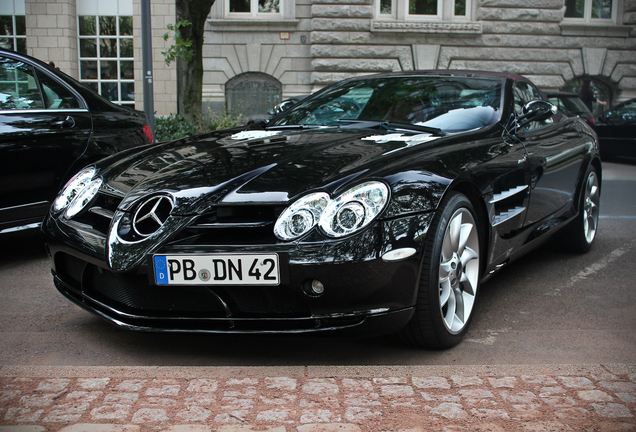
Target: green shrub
point(175, 126)
point(216, 122)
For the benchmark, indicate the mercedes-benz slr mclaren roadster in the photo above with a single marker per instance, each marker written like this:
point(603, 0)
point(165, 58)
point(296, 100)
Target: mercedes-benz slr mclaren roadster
point(376, 205)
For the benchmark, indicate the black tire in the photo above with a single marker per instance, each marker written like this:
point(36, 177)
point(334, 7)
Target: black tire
point(445, 302)
point(580, 234)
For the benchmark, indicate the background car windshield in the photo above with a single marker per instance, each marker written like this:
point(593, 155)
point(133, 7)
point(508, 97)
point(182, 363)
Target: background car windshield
point(449, 103)
point(624, 113)
point(570, 105)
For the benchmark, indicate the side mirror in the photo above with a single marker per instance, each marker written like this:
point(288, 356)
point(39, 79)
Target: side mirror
point(536, 110)
point(283, 106)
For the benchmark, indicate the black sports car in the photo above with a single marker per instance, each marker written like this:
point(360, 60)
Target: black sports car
point(616, 130)
point(50, 127)
point(376, 205)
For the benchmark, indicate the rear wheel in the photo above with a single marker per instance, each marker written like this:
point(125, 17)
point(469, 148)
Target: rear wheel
point(450, 278)
point(581, 233)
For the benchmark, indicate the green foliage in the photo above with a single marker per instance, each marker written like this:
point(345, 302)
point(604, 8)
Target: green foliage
point(225, 121)
point(175, 126)
point(181, 47)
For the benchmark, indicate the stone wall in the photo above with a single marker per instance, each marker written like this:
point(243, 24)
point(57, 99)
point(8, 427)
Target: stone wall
point(51, 28)
point(504, 35)
point(236, 46)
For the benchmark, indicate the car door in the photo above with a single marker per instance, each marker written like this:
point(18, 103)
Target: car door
point(556, 151)
point(44, 128)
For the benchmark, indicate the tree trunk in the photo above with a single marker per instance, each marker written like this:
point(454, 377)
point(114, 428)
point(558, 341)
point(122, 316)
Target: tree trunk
point(190, 74)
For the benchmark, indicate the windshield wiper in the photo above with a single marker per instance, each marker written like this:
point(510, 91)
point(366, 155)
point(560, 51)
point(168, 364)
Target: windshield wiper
point(297, 126)
point(392, 126)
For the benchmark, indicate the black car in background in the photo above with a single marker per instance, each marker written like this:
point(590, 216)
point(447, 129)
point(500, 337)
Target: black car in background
point(50, 127)
point(378, 204)
point(571, 105)
point(257, 119)
point(616, 131)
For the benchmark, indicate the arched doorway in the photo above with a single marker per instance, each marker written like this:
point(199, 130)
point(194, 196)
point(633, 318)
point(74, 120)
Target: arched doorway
point(594, 92)
point(252, 93)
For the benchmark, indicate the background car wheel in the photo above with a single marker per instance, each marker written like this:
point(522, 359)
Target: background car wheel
point(581, 233)
point(450, 278)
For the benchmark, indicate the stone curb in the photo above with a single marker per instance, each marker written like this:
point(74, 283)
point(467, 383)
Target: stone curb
point(308, 371)
point(497, 398)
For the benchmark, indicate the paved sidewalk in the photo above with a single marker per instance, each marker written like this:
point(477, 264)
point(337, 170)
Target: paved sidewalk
point(311, 399)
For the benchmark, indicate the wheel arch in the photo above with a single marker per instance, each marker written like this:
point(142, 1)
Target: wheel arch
point(475, 197)
point(595, 163)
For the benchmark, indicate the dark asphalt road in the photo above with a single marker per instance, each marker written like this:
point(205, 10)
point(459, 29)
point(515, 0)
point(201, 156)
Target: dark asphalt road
point(549, 308)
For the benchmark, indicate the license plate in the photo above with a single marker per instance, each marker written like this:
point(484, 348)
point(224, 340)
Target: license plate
point(230, 269)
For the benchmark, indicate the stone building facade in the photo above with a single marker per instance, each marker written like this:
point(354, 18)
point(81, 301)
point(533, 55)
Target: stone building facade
point(108, 60)
point(311, 43)
point(258, 52)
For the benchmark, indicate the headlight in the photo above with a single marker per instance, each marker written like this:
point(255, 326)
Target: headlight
point(84, 197)
point(354, 209)
point(351, 211)
point(301, 216)
point(73, 188)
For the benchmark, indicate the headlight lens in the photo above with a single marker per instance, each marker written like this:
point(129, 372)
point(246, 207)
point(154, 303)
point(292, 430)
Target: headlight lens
point(84, 197)
point(73, 188)
point(301, 216)
point(354, 209)
point(350, 212)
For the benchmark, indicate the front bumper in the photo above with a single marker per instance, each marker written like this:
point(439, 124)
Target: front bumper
point(363, 293)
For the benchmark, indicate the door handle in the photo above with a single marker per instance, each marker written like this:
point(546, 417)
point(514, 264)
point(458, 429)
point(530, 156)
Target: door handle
point(61, 123)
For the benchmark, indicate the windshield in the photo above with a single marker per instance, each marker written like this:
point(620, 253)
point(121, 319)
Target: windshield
point(452, 104)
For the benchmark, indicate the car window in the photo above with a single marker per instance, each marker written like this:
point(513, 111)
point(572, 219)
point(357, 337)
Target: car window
point(56, 96)
point(18, 86)
point(622, 114)
point(523, 93)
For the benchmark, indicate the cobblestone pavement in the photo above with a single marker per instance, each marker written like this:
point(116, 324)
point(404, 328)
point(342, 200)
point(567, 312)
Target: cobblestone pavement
point(311, 399)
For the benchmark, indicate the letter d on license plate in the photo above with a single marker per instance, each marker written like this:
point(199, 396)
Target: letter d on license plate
point(231, 269)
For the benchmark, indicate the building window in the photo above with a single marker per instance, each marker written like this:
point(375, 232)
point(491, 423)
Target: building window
point(13, 33)
point(253, 8)
point(252, 93)
point(106, 56)
point(590, 11)
point(414, 10)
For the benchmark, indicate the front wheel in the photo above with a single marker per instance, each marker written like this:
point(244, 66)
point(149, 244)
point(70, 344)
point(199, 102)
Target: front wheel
point(450, 277)
point(581, 233)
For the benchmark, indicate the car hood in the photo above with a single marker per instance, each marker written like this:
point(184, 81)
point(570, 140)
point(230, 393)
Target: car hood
point(258, 166)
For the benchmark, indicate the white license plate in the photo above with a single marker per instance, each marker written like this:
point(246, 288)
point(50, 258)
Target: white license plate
point(217, 269)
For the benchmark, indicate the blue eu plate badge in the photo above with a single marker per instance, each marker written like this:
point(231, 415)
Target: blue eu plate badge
point(161, 270)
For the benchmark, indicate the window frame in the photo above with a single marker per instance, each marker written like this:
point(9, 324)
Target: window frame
point(98, 58)
point(14, 36)
point(400, 12)
point(587, 15)
point(254, 13)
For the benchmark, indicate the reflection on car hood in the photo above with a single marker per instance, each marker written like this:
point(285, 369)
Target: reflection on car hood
point(256, 166)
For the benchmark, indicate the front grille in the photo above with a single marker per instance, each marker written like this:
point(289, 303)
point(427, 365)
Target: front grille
point(70, 269)
point(135, 295)
point(99, 213)
point(235, 225)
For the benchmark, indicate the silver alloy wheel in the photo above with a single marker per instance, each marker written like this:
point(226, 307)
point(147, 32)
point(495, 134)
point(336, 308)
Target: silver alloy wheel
point(459, 270)
point(590, 207)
